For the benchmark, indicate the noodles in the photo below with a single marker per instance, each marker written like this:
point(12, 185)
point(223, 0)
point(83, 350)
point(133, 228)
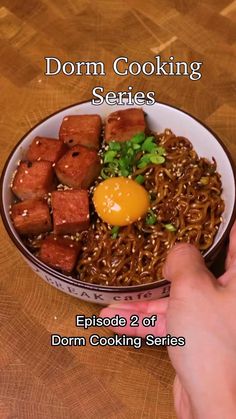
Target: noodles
point(186, 200)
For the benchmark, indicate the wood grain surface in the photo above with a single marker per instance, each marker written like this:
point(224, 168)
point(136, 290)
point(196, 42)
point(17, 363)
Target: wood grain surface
point(37, 381)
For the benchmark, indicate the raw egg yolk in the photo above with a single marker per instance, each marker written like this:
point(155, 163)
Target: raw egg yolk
point(120, 201)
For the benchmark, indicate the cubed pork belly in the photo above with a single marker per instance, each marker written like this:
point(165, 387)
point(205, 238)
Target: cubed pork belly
point(79, 167)
point(31, 217)
point(33, 180)
point(70, 211)
point(59, 252)
point(81, 129)
point(44, 148)
point(123, 125)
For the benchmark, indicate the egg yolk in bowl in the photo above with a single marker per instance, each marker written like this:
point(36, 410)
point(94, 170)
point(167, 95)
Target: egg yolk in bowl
point(120, 201)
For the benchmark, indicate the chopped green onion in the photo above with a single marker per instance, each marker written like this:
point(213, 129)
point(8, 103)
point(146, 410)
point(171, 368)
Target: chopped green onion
point(149, 145)
point(114, 146)
point(130, 152)
point(114, 164)
point(136, 146)
point(170, 227)
point(143, 162)
point(107, 172)
point(142, 165)
point(124, 172)
point(114, 232)
point(161, 151)
point(121, 159)
point(140, 179)
point(123, 162)
point(156, 159)
point(151, 218)
point(138, 138)
point(109, 156)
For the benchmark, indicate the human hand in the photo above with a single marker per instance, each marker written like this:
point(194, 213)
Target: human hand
point(203, 310)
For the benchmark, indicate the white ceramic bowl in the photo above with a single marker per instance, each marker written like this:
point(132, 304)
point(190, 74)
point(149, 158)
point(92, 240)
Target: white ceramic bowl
point(160, 116)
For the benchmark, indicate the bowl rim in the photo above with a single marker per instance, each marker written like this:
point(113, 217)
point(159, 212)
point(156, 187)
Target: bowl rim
point(95, 287)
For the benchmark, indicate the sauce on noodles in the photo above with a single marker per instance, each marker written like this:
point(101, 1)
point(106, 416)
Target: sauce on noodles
point(186, 200)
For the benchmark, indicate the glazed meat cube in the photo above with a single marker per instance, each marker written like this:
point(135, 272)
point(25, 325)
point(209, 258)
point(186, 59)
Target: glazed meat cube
point(31, 217)
point(79, 167)
point(33, 180)
point(59, 252)
point(81, 129)
point(123, 125)
point(70, 211)
point(44, 148)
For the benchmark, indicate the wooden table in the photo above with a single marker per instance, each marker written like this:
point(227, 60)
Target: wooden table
point(36, 380)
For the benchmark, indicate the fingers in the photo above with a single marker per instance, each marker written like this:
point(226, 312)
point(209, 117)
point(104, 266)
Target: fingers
point(141, 310)
point(185, 268)
point(182, 402)
point(231, 257)
point(229, 276)
point(156, 306)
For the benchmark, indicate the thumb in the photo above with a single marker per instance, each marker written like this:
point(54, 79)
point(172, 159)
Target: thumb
point(186, 269)
point(231, 257)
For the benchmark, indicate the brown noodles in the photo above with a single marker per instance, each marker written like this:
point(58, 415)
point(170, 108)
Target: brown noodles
point(185, 192)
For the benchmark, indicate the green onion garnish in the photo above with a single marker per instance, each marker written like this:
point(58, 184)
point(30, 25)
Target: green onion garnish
point(140, 179)
point(143, 162)
point(156, 159)
point(114, 232)
point(109, 156)
point(124, 172)
point(149, 145)
point(161, 151)
point(136, 146)
point(105, 173)
point(138, 138)
point(115, 146)
point(151, 218)
point(123, 158)
point(170, 227)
